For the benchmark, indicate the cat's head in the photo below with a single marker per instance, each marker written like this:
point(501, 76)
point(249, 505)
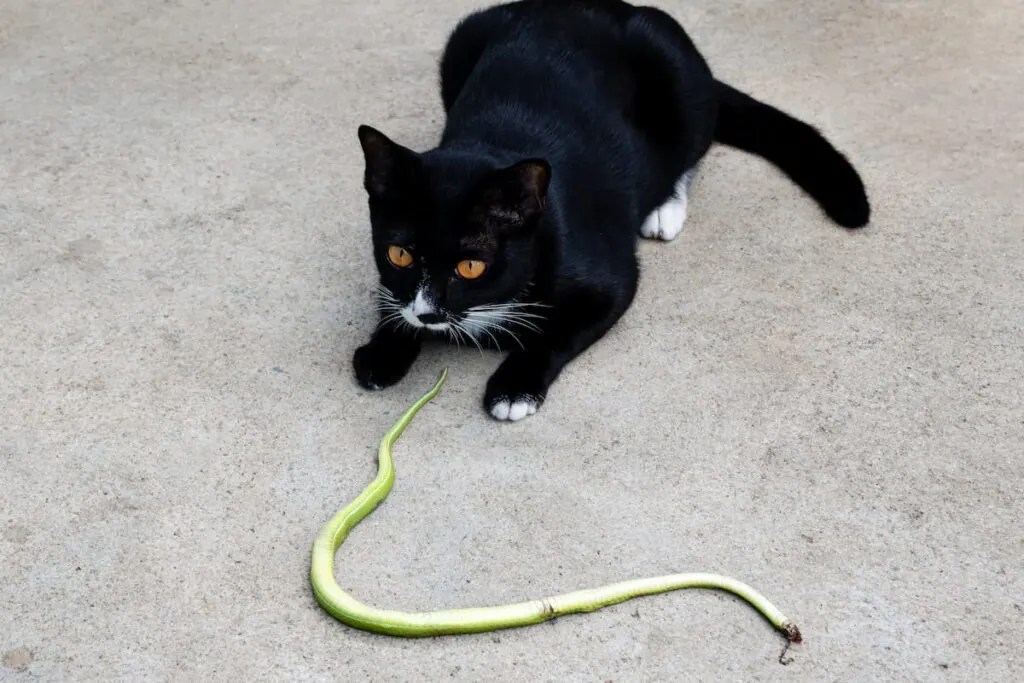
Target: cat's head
point(453, 235)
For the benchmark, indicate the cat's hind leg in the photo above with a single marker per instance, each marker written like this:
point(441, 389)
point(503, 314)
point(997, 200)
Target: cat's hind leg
point(674, 106)
point(667, 221)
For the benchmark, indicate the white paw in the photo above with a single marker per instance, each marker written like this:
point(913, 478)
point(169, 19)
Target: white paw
point(666, 221)
point(514, 410)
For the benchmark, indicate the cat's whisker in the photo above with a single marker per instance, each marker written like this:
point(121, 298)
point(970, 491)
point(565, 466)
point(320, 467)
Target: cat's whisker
point(390, 318)
point(523, 323)
point(497, 342)
point(385, 294)
point(514, 302)
point(505, 330)
point(454, 333)
point(389, 310)
point(454, 336)
point(512, 334)
point(513, 319)
point(472, 327)
point(457, 325)
point(506, 315)
point(509, 307)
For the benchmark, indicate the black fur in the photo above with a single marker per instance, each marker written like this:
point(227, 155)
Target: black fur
point(568, 123)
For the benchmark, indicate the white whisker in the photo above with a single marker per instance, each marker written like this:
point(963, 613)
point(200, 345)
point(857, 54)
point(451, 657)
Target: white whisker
point(497, 343)
point(386, 320)
point(469, 335)
point(512, 334)
point(385, 293)
point(480, 327)
point(504, 318)
point(523, 323)
point(505, 330)
point(454, 335)
point(492, 317)
point(513, 304)
point(507, 311)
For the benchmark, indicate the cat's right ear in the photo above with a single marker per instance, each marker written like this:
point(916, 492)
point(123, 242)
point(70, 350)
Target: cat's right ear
point(390, 167)
point(513, 198)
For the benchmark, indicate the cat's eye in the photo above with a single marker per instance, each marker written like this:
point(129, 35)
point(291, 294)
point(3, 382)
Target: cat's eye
point(470, 269)
point(399, 256)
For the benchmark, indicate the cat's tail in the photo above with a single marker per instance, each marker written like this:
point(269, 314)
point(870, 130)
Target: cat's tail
point(797, 149)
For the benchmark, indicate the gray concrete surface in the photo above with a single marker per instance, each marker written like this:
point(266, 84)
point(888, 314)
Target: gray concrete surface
point(835, 418)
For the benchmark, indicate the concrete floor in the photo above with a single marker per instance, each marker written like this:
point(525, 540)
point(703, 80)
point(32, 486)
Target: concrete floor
point(835, 418)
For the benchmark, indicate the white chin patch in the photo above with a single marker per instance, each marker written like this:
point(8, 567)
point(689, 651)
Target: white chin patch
point(437, 327)
point(514, 411)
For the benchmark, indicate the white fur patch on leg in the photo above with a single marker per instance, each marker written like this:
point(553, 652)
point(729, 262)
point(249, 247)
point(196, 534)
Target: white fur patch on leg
point(514, 410)
point(667, 220)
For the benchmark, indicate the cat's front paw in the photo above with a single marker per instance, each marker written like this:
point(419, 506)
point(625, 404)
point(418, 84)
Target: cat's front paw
point(380, 364)
point(512, 393)
point(514, 408)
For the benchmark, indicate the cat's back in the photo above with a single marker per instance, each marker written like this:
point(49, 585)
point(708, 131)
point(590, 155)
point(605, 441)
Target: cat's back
point(555, 52)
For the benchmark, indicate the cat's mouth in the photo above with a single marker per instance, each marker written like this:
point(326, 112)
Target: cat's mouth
point(421, 312)
point(438, 325)
point(420, 316)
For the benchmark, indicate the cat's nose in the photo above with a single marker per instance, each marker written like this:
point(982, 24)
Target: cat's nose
point(430, 318)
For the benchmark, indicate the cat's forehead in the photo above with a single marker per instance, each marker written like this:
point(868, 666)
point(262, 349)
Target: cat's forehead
point(448, 221)
point(435, 217)
point(437, 234)
point(452, 237)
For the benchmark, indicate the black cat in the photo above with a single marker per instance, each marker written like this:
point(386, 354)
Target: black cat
point(572, 126)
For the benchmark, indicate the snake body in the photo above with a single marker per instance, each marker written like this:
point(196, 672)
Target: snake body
point(350, 611)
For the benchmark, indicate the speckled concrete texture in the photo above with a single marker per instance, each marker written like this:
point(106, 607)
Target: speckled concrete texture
point(834, 417)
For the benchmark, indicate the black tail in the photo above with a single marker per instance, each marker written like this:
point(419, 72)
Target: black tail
point(797, 149)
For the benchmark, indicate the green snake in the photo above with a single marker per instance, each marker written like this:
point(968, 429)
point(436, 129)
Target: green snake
point(348, 610)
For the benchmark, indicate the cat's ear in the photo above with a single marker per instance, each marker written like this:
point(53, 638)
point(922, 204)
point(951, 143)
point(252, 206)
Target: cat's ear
point(390, 167)
point(515, 197)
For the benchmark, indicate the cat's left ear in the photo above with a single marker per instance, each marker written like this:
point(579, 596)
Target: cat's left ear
point(390, 167)
point(515, 197)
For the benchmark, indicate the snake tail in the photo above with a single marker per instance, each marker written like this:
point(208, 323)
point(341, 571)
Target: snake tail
point(342, 606)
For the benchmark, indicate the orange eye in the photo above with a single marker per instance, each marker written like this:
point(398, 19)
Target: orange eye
point(470, 270)
point(399, 256)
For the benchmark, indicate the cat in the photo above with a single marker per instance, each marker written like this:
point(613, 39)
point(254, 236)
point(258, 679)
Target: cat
point(572, 127)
